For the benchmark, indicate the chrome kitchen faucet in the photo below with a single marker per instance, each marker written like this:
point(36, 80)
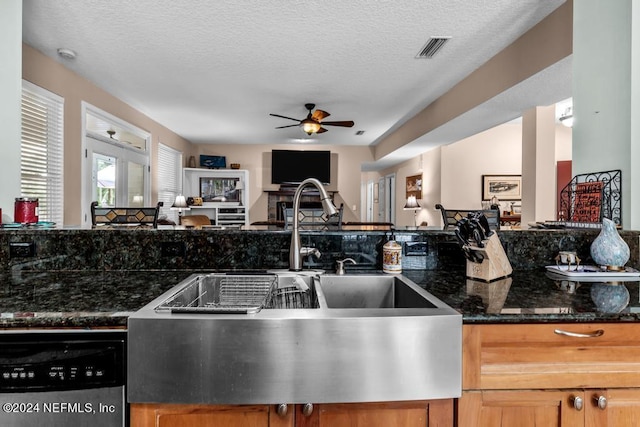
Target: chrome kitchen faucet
point(296, 252)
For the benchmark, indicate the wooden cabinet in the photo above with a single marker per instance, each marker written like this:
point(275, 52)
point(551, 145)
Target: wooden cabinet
point(437, 413)
point(550, 408)
point(518, 408)
point(550, 375)
point(623, 409)
point(388, 414)
point(165, 415)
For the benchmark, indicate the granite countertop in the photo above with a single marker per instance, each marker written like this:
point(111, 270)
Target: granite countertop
point(84, 299)
point(533, 296)
point(91, 299)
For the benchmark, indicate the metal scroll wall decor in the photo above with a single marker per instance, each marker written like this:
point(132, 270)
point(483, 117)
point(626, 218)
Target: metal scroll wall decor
point(590, 197)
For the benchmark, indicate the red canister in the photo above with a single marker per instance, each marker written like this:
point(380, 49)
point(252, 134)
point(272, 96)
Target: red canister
point(26, 210)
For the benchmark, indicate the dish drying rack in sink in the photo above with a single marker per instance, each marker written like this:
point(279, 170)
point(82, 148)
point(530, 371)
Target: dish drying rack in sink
point(292, 296)
point(221, 293)
point(236, 294)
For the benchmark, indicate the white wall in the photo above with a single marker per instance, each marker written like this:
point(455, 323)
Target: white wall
point(11, 90)
point(497, 151)
point(452, 174)
point(563, 143)
point(606, 56)
point(256, 158)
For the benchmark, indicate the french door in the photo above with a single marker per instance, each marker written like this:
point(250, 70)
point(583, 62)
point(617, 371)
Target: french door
point(116, 165)
point(116, 176)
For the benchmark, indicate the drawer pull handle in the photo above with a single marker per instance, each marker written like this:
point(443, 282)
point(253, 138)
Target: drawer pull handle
point(282, 410)
point(594, 334)
point(601, 402)
point(577, 403)
point(307, 409)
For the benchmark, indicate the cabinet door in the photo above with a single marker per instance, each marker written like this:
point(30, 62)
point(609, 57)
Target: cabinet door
point(622, 408)
point(160, 415)
point(520, 409)
point(436, 413)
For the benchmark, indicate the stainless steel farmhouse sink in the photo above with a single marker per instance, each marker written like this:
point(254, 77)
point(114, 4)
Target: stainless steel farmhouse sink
point(305, 338)
point(369, 292)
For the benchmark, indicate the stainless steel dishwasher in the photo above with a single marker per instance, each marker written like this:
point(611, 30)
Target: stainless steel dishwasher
point(62, 378)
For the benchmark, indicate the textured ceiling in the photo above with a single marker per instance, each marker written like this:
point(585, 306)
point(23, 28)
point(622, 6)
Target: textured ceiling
point(212, 71)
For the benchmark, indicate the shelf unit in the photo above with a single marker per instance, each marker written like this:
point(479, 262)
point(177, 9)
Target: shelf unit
point(221, 213)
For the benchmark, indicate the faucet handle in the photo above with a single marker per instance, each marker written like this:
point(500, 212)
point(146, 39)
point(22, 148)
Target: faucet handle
point(340, 265)
point(310, 251)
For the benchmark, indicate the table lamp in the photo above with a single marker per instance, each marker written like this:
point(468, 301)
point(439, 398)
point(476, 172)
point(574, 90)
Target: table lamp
point(412, 205)
point(180, 205)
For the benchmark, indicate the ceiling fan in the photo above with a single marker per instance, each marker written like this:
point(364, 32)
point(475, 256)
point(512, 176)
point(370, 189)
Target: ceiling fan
point(313, 123)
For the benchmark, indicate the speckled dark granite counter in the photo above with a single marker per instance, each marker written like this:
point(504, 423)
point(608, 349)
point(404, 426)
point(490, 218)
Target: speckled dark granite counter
point(532, 296)
point(78, 299)
point(94, 278)
point(89, 299)
point(149, 249)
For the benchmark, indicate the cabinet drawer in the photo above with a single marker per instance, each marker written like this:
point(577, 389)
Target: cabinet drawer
point(527, 356)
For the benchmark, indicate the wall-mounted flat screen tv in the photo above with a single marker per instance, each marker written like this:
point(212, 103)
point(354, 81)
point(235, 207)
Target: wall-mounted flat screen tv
point(294, 166)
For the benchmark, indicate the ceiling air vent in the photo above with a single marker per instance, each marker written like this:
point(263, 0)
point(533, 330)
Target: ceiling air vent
point(433, 46)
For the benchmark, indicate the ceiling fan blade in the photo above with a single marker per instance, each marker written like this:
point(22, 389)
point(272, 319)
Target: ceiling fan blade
point(319, 115)
point(346, 124)
point(322, 130)
point(284, 117)
point(288, 126)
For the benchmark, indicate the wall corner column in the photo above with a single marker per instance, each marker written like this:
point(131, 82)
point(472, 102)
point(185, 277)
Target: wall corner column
point(10, 115)
point(538, 165)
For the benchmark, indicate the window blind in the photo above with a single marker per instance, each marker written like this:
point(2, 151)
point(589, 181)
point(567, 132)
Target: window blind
point(41, 151)
point(169, 179)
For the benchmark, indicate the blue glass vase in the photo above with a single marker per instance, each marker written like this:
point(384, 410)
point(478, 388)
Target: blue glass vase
point(608, 250)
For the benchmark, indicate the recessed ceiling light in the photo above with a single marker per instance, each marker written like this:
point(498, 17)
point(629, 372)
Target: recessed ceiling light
point(66, 53)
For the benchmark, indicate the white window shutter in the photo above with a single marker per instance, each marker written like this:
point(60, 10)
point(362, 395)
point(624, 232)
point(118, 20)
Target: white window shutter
point(42, 147)
point(169, 179)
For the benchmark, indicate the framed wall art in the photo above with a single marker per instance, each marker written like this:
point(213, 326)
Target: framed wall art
point(414, 186)
point(504, 187)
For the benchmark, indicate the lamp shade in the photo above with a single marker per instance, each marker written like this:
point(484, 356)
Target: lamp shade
point(181, 202)
point(412, 204)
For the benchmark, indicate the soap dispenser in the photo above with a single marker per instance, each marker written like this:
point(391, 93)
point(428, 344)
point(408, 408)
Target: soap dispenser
point(392, 256)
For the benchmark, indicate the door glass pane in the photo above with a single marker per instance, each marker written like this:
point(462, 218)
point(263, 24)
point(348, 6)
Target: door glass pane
point(104, 180)
point(117, 134)
point(135, 178)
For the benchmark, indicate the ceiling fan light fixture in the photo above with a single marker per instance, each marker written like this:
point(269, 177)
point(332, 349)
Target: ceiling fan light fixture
point(309, 126)
point(314, 122)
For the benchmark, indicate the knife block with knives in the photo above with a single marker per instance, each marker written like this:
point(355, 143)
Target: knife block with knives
point(486, 258)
